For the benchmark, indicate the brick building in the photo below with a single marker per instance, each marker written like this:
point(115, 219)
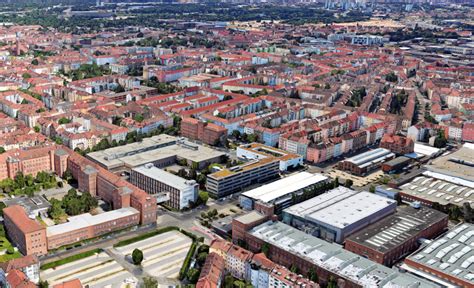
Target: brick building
point(394, 237)
point(27, 234)
point(397, 144)
point(290, 247)
point(208, 133)
point(212, 272)
point(365, 162)
point(29, 161)
point(448, 260)
point(87, 226)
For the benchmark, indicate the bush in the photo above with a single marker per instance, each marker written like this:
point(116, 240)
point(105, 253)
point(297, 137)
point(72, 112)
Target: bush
point(10, 250)
point(137, 256)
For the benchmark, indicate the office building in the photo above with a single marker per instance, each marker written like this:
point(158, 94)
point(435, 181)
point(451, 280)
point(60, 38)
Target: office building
point(365, 162)
point(394, 237)
point(448, 261)
point(338, 213)
point(231, 180)
point(168, 188)
point(282, 193)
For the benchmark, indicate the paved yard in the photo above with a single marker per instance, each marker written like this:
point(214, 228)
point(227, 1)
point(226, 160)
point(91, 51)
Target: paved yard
point(163, 254)
point(372, 178)
point(96, 271)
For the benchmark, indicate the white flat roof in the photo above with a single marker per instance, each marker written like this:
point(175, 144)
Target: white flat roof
point(284, 186)
point(87, 219)
point(425, 149)
point(165, 177)
point(340, 207)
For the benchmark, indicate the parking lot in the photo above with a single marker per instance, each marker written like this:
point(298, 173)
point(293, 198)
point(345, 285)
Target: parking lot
point(163, 254)
point(95, 271)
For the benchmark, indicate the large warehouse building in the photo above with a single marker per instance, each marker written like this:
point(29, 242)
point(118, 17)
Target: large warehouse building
point(397, 235)
point(280, 194)
point(338, 213)
point(449, 260)
point(365, 162)
point(290, 247)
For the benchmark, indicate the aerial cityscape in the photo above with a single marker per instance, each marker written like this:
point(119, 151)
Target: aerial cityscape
point(236, 143)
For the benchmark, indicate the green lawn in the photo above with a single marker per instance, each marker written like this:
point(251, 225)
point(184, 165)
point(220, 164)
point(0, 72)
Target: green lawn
point(6, 245)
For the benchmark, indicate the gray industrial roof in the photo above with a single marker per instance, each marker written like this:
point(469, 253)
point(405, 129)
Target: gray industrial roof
point(340, 207)
point(451, 254)
point(397, 228)
point(334, 258)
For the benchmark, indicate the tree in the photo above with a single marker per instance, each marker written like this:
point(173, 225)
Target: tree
point(138, 117)
point(2, 150)
point(454, 212)
point(149, 282)
point(37, 129)
point(26, 76)
point(64, 120)
point(265, 249)
point(391, 77)
point(34, 62)
point(331, 282)
point(203, 197)
point(294, 269)
point(349, 183)
point(313, 276)
point(193, 275)
point(43, 284)
point(201, 257)
point(440, 140)
point(236, 134)
point(137, 256)
point(468, 212)
point(372, 189)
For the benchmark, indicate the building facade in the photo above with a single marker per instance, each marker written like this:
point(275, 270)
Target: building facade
point(173, 190)
point(28, 235)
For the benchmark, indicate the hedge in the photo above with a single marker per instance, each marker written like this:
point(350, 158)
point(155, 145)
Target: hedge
point(187, 261)
point(157, 232)
point(146, 236)
point(69, 259)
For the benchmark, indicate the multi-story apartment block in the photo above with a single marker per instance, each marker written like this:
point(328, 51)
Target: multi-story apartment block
point(208, 133)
